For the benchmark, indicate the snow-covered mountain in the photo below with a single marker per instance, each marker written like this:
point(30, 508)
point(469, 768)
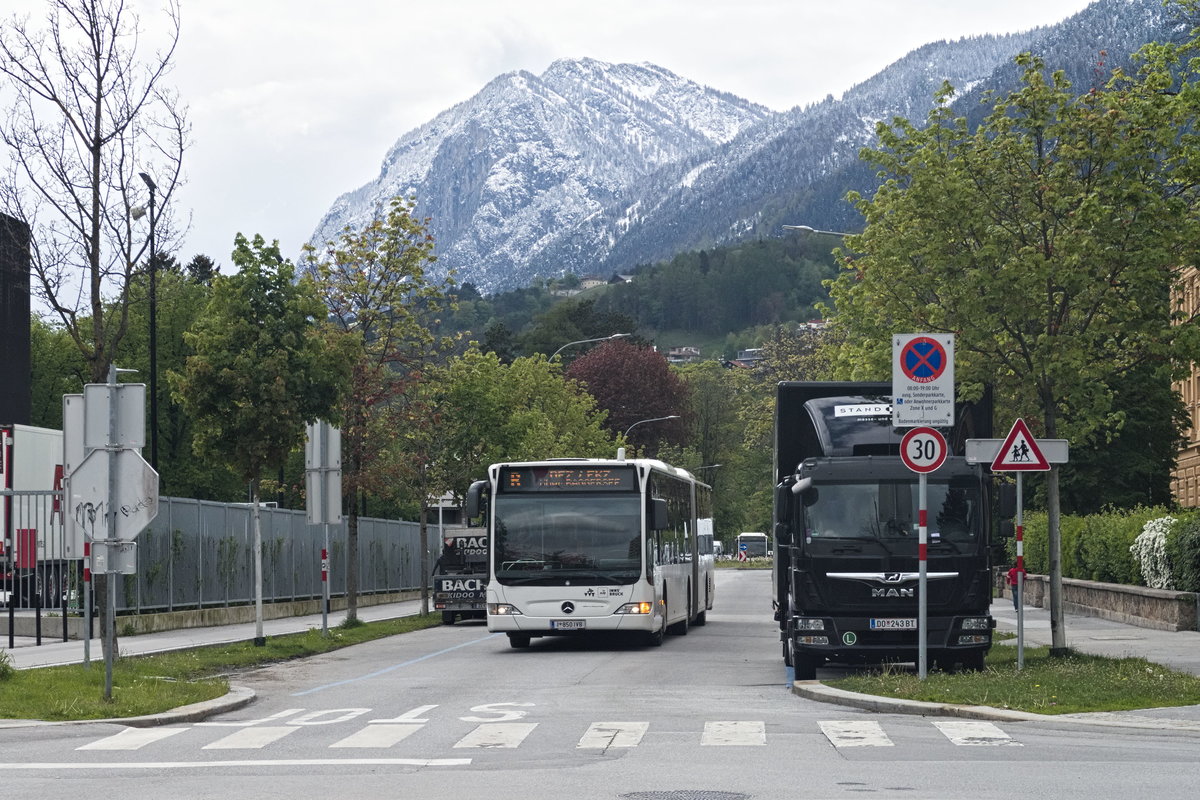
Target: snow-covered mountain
point(512, 176)
point(594, 168)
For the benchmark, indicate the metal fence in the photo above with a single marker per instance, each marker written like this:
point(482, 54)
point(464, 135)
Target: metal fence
point(200, 554)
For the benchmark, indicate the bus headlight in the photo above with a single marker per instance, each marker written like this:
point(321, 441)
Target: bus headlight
point(635, 608)
point(503, 610)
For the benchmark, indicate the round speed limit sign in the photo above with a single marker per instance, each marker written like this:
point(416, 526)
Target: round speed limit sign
point(923, 449)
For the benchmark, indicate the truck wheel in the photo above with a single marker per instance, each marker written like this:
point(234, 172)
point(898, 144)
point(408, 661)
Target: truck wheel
point(806, 667)
point(973, 661)
point(518, 640)
point(789, 659)
point(447, 617)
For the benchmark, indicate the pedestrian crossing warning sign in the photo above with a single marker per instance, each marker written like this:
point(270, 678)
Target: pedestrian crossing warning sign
point(1019, 452)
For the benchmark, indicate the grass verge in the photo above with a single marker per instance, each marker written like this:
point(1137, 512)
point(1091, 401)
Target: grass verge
point(157, 683)
point(1047, 685)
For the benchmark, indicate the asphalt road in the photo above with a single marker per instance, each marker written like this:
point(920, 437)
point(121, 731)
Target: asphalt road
point(454, 712)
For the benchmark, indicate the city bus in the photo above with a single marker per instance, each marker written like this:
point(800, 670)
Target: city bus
point(583, 546)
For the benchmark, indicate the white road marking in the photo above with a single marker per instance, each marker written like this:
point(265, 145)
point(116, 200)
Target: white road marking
point(251, 738)
point(132, 739)
point(497, 735)
point(602, 735)
point(378, 735)
point(287, 712)
point(734, 734)
point(855, 734)
point(266, 762)
point(974, 732)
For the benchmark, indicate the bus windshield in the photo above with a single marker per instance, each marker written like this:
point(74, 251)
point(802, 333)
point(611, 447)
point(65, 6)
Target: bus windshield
point(887, 510)
point(551, 539)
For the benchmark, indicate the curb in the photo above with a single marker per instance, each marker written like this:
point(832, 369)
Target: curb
point(815, 690)
point(238, 697)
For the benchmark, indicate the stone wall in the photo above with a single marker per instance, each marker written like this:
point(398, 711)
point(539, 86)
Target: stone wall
point(1161, 609)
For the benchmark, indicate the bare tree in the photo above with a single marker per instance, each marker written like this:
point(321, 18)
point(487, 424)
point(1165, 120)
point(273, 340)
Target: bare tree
point(90, 119)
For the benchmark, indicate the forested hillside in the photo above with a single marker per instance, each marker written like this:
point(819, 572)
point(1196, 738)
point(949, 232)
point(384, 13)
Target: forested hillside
point(721, 294)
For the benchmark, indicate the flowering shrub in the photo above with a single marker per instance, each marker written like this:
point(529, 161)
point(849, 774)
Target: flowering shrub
point(1149, 550)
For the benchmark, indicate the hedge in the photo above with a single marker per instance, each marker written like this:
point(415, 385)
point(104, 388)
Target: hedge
point(1097, 547)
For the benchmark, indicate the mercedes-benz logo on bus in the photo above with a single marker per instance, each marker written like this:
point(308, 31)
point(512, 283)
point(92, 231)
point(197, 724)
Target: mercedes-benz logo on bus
point(568, 607)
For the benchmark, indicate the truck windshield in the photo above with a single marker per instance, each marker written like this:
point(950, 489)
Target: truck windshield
point(887, 510)
point(552, 539)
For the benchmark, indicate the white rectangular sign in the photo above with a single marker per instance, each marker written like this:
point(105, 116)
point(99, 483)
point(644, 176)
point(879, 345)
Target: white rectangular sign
point(130, 402)
point(114, 558)
point(923, 380)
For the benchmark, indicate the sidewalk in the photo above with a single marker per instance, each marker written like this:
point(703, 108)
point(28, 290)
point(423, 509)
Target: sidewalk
point(1179, 650)
point(52, 652)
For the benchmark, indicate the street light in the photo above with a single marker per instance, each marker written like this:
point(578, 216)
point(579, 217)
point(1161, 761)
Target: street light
point(807, 229)
point(153, 328)
point(641, 421)
point(585, 341)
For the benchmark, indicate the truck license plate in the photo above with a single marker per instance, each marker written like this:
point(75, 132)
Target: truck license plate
point(567, 624)
point(901, 624)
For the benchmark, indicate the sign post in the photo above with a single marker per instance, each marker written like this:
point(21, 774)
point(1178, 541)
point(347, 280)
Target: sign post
point(1020, 453)
point(922, 450)
point(323, 498)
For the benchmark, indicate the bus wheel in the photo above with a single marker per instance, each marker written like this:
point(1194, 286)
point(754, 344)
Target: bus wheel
point(681, 628)
point(655, 638)
point(447, 617)
point(518, 640)
point(702, 617)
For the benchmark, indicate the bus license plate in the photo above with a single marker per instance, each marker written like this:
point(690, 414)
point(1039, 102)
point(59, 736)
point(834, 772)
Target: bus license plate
point(567, 624)
point(894, 624)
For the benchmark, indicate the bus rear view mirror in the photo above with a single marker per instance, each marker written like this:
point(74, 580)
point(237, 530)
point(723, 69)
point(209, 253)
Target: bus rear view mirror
point(474, 504)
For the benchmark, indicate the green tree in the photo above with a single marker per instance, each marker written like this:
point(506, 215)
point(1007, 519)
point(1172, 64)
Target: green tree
point(264, 365)
point(490, 411)
point(57, 368)
point(1047, 240)
point(375, 284)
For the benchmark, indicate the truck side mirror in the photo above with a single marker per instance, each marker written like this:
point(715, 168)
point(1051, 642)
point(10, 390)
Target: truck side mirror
point(782, 534)
point(474, 504)
point(658, 514)
point(1008, 500)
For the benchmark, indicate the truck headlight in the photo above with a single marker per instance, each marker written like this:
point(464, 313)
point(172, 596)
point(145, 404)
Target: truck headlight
point(503, 610)
point(635, 608)
point(809, 624)
point(975, 639)
point(975, 624)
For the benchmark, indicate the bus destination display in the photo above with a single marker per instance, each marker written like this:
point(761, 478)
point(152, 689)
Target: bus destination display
point(566, 479)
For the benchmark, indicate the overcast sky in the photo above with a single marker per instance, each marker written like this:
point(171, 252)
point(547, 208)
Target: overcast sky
point(293, 102)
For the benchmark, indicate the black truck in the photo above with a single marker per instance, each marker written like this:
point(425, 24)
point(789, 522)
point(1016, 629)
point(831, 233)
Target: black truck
point(460, 575)
point(846, 532)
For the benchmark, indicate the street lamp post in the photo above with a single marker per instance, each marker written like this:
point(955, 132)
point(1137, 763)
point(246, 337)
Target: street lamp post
point(585, 341)
point(643, 421)
point(807, 229)
point(153, 295)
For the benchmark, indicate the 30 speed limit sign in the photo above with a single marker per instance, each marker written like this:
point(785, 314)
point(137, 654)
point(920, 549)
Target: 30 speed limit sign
point(923, 449)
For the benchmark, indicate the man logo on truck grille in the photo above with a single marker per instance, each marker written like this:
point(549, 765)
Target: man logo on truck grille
point(893, 577)
point(568, 607)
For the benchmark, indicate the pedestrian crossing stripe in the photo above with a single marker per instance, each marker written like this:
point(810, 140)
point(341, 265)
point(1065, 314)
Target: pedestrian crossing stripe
point(598, 736)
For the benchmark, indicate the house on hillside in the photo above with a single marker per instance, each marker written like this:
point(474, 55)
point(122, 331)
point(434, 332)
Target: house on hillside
point(591, 282)
point(620, 278)
point(683, 355)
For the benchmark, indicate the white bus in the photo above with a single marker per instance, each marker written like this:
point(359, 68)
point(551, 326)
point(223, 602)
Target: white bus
point(582, 546)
